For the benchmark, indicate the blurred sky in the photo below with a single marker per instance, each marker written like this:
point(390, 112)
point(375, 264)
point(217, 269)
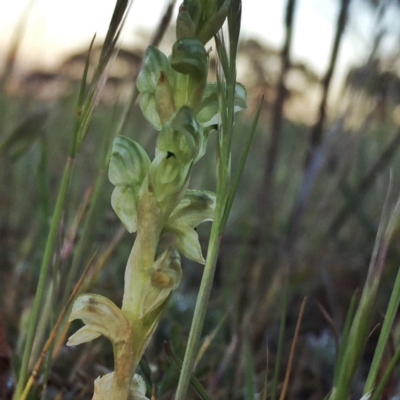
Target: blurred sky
point(56, 28)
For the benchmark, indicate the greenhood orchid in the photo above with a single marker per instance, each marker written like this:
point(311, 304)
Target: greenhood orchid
point(151, 196)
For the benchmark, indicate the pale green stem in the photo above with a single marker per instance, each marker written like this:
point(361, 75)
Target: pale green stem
point(142, 256)
point(140, 261)
point(124, 370)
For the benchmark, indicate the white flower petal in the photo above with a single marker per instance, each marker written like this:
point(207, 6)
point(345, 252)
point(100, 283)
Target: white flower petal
point(102, 387)
point(83, 335)
point(101, 316)
point(187, 242)
point(195, 207)
point(124, 203)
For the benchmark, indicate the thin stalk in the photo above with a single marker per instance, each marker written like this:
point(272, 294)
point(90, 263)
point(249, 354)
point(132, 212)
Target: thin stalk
point(359, 328)
point(83, 117)
point(384, 335)
point(88, 221)
point(292, 349)
point(199, 313)
point(386, 375)
point(345, 336)
point(48, 253)
point(226, 81)
point(50, 243)
point(53, 334)
point(194, 382)
point(242, 161)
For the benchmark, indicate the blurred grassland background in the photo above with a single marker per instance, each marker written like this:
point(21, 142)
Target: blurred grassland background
point(309, 202)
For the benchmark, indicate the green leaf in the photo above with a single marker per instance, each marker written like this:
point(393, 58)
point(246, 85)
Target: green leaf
point(129, 164)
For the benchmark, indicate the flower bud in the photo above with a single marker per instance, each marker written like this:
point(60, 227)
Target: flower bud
point(129, 164)
point(181, 136)
point(189, 57)
point(156, 69)
point(216, 12)
point(207, 16)
point(185, 27)
point(168, 177)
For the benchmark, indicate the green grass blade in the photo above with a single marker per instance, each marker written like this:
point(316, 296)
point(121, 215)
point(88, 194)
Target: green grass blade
point(48, 253)
point(383, 337)
point(193, 381)
point(89, 217)
point(226, 88)
point(345, 335)
point(99, 77)
point(389, 370)
point(240, 167)
point(360, 325)
point(81, 98)
point(80, 130)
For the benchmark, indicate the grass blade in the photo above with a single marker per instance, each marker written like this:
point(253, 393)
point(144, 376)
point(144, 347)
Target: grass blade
point(242, 162)
point(193, 381)
point(384, 335)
